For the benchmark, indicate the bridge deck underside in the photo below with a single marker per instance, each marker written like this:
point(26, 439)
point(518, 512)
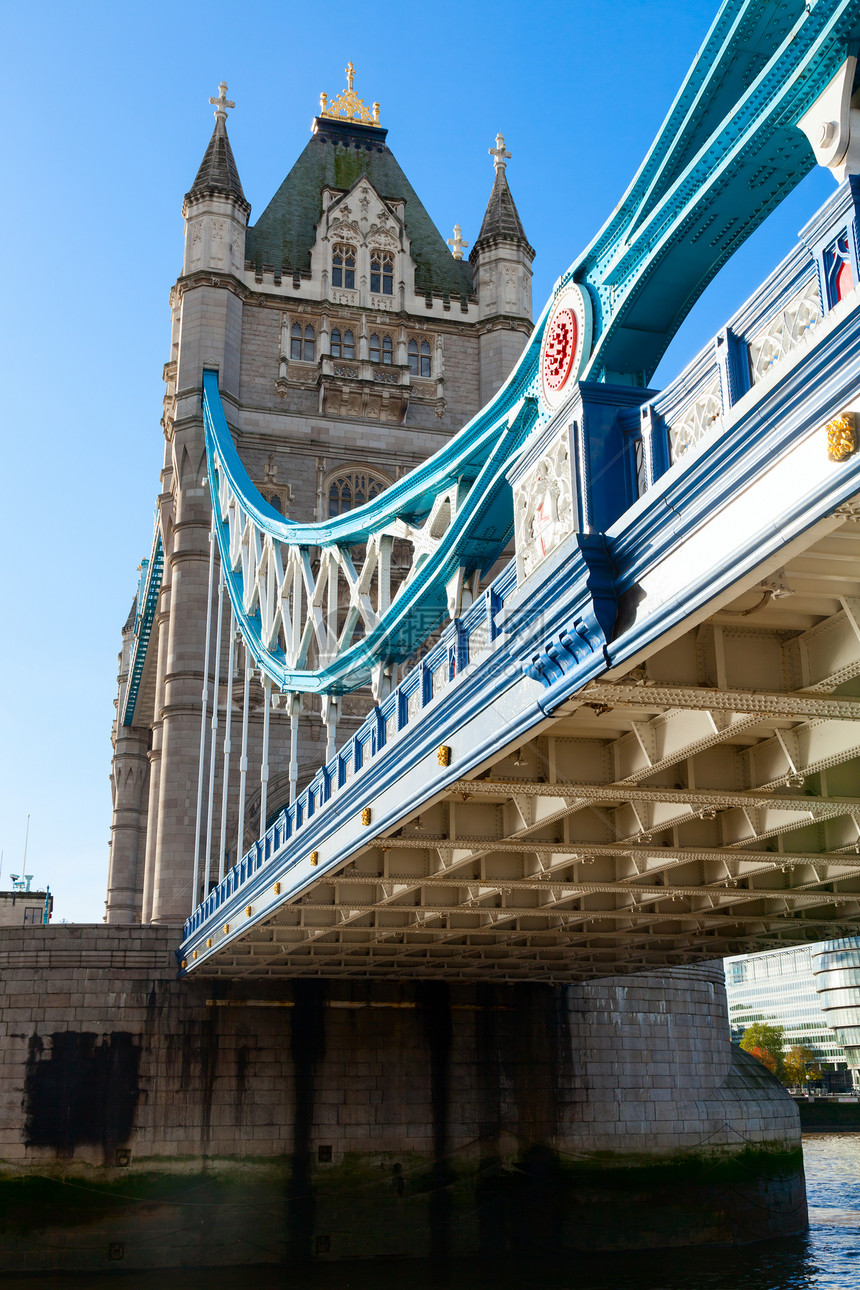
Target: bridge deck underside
point(706, 802)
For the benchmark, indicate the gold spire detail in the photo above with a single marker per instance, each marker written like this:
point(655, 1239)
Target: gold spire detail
point(348, 106)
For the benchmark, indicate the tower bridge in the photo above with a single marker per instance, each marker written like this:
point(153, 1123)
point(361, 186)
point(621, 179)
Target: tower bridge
point(636, 745)
point(477, 697)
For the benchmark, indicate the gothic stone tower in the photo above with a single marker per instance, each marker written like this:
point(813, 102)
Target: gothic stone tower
point(350, 344)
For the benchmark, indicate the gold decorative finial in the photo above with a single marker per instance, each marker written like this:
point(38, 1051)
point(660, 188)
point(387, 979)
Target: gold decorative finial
point(347, 106)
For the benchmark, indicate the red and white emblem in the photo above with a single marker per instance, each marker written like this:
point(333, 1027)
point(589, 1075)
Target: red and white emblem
point(566, 341)
point(559, 349)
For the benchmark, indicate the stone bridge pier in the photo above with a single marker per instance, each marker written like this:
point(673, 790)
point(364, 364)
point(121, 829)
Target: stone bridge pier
point(157, 1121)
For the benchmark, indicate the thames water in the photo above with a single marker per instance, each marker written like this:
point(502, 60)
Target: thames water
point(827, 1257)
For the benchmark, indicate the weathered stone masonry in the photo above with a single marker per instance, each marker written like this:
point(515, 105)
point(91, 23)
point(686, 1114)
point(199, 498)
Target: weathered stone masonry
point(350, 1119)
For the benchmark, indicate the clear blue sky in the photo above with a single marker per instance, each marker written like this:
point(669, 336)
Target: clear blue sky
point(106, 119)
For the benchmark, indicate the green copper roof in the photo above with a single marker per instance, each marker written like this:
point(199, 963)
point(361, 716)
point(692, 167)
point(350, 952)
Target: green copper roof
point(335, 157)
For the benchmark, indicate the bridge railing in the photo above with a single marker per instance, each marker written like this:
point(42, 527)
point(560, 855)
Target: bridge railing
point(757, 342)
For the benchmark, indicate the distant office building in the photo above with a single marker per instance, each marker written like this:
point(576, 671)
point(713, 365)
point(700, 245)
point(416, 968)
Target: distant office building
point(810, 990)
point(836, 965)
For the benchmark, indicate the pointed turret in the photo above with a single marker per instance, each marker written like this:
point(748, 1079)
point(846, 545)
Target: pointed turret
point(215, 207)
point(501, 264)
point(218, 171)
point(501, 218)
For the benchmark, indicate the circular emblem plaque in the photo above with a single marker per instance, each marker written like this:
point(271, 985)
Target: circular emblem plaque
point(566, 341)
point(559, 349)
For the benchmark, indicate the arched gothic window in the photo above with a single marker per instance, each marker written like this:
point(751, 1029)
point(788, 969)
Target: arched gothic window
point(382, 272)
point(387, 351)
point(352, 488)
point(420, 363)
point(302, 342)
point(342, 348)
point(343, 266)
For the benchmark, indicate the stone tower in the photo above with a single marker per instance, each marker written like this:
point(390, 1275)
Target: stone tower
point(350, 343)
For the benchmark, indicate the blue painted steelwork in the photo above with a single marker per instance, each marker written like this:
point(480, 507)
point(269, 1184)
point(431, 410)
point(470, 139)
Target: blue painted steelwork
point(474, 462)
point(520, 652)
point(727, 153)
point(148, 588)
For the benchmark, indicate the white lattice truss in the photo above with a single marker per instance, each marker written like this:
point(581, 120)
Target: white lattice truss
point(316, 602)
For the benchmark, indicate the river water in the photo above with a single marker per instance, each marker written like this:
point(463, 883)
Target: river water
point(826, 1258)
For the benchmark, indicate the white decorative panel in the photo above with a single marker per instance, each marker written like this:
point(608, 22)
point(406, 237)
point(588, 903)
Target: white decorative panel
point(786, 330)
point(700, 416)
point(544, 513)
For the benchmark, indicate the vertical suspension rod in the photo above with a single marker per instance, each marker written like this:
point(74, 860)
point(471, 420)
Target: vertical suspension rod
point(264, 763)
point(195, 894)
point(228, 721)
point(295, 703)
point(243, 760)
point(213, 749)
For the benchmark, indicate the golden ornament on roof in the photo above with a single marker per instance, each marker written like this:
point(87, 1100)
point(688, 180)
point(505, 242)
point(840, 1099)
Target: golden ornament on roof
point(348, 106)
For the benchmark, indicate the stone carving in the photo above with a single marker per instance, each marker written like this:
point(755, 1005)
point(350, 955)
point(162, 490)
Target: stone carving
point(222, 103)
point(456, 243)
point(383, 238)
point(785, 331)
point(698, 418)
point(543, 501)
point(500, 154)
point(346, 229)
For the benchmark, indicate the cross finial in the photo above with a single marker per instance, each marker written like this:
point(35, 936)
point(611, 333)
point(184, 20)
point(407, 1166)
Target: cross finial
point(222, 103)
point(350, 75)
point(499, 154)
point(456, 243)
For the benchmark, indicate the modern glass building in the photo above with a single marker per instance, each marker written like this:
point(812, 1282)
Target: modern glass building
point(813, 991)
point(836, 965)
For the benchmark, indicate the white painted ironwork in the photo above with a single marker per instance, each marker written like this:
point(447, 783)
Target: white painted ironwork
point(243, 759)
point(315, 612)
point(700, 417)
point(213, 750)
point(264, 760)
point(228, 721)
point(195, 892)
point(785, 330)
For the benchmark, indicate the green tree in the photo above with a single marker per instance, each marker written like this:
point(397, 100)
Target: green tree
point(800, 1066)
point(765, 1042)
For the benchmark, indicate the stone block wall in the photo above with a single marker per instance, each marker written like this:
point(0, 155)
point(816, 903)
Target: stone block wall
point(364, 1119)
